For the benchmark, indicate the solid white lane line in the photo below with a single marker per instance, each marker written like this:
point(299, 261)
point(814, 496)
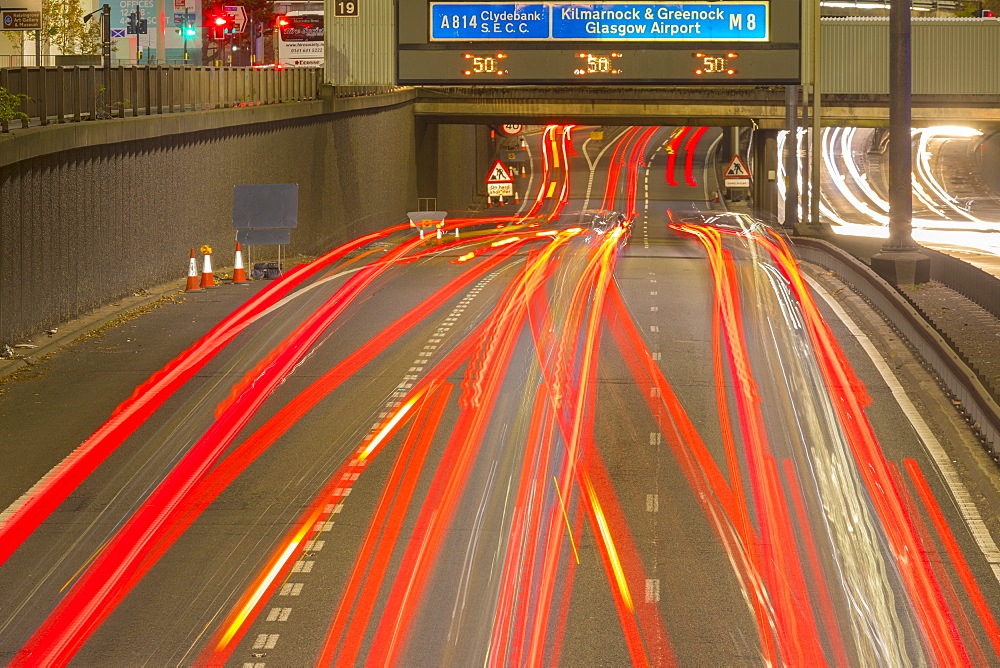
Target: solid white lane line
point(966, 507)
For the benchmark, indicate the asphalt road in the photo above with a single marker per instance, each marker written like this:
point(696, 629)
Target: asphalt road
point(583, 447)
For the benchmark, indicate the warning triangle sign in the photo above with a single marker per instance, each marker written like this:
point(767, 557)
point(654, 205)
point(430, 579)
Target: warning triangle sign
point(499, 174)
point(736, 169)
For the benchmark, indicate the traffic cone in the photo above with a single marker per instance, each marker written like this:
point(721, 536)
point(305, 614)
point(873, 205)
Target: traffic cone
point(207, 281)
point(524, 172)
point(489, 202)
point(192, 282)
point(501, 201)
point(239, 273)
point(517, 198)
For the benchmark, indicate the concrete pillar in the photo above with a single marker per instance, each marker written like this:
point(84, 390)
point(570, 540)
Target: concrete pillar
point(426, 136)
point(898, 262)
point(791, 157)
point(764, 158)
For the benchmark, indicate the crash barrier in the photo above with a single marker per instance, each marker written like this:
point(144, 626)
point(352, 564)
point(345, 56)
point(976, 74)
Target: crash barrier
point(961, 382)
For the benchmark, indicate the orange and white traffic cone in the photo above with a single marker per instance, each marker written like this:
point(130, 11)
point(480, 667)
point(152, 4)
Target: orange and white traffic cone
point(517, 198)
point(489, 202)
point(192, 281)
point(239, 273)
point(207, 280)
point(501, 201)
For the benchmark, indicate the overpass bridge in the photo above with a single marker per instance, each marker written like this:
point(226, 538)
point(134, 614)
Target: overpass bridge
point(200, 125)
point(956, 80)
point(761, 106)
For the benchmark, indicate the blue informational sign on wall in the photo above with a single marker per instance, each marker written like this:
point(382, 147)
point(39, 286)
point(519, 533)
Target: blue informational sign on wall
point(620, 21)
point(490, 21)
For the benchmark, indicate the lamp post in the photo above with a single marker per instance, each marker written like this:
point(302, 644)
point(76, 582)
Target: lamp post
point(105, 11)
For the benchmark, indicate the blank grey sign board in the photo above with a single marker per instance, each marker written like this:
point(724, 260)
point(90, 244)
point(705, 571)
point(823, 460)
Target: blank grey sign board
point(266, 205)
point(264, 237)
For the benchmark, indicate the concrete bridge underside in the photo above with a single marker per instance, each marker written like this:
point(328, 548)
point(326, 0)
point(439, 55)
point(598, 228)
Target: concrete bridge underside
point(713, 106)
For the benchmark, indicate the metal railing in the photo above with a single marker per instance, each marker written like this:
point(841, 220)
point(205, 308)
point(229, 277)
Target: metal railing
point(26, 60)
point(67, 94)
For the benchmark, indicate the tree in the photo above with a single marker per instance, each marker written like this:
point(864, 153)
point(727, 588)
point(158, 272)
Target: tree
point(9, 103)
point(64, 29)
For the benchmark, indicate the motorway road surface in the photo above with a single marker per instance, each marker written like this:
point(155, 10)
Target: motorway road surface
point(541, 438)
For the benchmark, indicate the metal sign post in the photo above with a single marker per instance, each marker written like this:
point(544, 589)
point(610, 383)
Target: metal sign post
point(105, 12)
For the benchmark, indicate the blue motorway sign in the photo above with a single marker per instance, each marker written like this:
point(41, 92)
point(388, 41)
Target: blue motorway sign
point(743, 21)
point(490, 21)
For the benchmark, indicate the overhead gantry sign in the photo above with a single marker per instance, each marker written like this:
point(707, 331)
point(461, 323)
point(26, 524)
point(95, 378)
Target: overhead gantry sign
point(497, 43)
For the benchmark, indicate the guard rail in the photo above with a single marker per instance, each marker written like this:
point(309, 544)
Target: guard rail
point(966, 388)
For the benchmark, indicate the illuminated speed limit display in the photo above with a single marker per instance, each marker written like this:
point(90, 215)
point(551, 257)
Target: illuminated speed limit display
point(743, 41)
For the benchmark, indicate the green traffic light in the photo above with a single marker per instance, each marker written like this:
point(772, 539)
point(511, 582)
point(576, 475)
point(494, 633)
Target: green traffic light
point(189, 32)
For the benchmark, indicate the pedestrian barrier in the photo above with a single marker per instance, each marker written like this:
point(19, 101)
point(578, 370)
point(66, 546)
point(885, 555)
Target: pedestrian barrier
point(69, 94)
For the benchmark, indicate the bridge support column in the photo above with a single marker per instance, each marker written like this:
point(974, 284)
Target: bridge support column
point(899, 262)
point(791, 157)
point(764, 158)
point(426, 140)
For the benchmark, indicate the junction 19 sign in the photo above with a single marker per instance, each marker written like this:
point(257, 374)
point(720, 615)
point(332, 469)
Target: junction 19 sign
point(712, 22)
point(501, 43)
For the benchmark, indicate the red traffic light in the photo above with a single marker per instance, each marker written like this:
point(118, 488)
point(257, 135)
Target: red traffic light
point(222, 25)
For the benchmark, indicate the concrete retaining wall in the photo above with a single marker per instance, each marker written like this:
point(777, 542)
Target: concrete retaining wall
point(80, 227)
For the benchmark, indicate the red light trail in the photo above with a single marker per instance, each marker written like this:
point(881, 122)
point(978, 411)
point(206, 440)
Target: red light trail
point(497, 480)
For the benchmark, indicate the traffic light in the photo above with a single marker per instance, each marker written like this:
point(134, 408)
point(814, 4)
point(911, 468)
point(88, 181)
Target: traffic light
point(221, 26)
point(189, 31)
point(131, 26)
